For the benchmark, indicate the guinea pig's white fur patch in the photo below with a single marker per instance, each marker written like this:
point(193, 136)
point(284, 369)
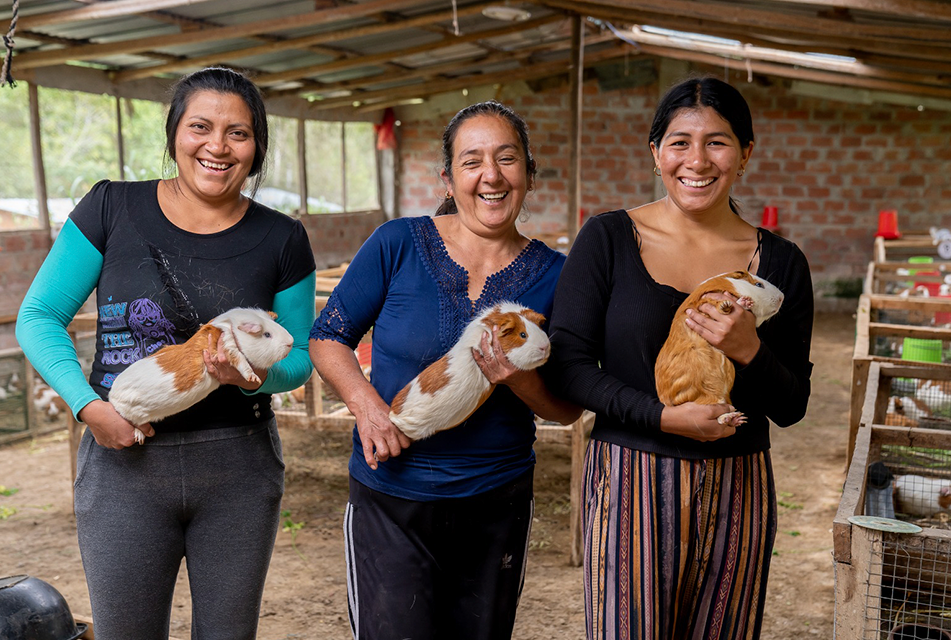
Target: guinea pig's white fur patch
point(449, 390)
point(174, 378)
point(690, 369)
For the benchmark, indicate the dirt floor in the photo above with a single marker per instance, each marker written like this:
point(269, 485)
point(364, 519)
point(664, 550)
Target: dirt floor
point(305, 596)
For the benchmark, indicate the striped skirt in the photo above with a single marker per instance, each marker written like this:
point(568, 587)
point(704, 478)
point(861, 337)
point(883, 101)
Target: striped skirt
point(676, 549)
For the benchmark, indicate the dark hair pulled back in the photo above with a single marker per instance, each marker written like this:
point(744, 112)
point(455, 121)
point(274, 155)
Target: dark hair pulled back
point(488, 108)
point(221, 80)
point(705, 91)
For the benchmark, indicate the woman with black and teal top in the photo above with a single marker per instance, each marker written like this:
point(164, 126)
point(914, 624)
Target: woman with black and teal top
point(164, 257)
point(680, 510)
point(437, 531)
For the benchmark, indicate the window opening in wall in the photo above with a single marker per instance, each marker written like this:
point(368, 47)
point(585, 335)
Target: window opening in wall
point(78, 132)
point(143, 139)
point(18, 206)
point(342, 167)
point(281, 186)
point(362, 185)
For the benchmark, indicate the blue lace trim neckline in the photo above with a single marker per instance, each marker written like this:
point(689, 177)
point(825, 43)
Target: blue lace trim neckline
point(452, 280)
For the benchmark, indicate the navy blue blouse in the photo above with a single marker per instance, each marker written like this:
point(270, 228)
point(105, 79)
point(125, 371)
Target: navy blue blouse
point(404, 285)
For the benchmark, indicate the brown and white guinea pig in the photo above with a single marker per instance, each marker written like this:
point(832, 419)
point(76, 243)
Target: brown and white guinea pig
point(174, 377)
point(690, 369)
point(449, 390)
point(920, 496)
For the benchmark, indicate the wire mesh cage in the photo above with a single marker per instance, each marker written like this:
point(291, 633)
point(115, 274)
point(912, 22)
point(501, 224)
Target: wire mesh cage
point(892, 537)
point(907, 596)
point(14, 417)
point(902, 331)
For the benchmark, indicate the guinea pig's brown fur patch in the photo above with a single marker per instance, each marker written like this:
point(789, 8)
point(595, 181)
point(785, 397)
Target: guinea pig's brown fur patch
point(186, 359)
point(432, 379)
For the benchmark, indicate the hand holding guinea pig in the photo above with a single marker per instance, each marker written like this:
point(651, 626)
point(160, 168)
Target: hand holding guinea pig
point(218, 366)
point(111, 430)
point(733, 333)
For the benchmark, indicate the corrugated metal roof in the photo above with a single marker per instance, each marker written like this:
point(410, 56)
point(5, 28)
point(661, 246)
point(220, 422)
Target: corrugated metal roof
point(334, 49)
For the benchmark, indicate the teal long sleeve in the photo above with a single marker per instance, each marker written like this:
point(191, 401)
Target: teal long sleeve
point(63, 283)
point(294, 307)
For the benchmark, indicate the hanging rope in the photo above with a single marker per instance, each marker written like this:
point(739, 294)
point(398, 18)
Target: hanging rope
point(6, 76)
point(455, 18)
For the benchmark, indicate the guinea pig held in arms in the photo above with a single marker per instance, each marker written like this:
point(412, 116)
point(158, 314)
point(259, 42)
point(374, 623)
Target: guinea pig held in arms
point(690, 369)
point(174, 377)
point(449, 390)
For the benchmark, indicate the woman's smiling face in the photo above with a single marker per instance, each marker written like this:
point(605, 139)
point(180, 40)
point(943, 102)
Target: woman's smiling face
point(214, 146)
point(489, 173)
point(699, 157)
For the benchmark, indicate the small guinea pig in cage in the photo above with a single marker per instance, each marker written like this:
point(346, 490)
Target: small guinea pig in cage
point(449, 390)
point(920, 496)
point(690, 369)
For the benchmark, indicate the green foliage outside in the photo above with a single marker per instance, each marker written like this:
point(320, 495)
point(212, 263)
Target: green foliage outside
point(16, 161)
point(78, 133)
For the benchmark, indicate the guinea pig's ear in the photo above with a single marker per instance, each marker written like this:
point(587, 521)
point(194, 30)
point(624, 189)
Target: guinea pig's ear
point(252, 328)
point(272, 314)
point(507, 324)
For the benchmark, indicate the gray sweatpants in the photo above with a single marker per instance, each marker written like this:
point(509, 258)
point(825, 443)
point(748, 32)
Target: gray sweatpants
point(210, 496)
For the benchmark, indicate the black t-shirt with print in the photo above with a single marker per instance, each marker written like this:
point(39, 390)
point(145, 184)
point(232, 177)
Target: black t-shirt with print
point(158, 283)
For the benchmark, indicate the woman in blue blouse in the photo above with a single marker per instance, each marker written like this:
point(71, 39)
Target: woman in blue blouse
point(437, 531)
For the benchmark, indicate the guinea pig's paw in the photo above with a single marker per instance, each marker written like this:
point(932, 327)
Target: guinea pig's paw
point(725, 307)
point(253, 378)
point(746, 302)
point(138, 435)
point(733, 419)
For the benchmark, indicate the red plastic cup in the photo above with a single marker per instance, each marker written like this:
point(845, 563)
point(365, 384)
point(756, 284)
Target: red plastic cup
point(888, 224)
point(770, 218)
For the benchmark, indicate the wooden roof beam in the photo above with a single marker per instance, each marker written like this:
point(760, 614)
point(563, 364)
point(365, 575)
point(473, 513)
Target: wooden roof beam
point(340, 65)
point(447, 67)
point(95, 11)
point(744, 52)
point(300, 43)
point(935, 51)
point(813, 75)
point(904, 8)
point(747, 18)
point(471, 80)
point(35, 59)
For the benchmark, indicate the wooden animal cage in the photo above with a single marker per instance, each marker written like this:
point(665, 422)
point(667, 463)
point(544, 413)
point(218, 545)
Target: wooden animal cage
point(909, 245)
point(906, 278)
point(16, 393)
point(897, 330)
point(891, 577)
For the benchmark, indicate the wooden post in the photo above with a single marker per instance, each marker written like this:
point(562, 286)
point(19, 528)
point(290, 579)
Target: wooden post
point(576, 76)
point(120, 145)
point(39, 173)
point(302, 164)
point(343, 163)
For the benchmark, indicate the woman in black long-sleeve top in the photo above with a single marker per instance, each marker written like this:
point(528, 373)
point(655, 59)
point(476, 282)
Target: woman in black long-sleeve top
point(680, 511)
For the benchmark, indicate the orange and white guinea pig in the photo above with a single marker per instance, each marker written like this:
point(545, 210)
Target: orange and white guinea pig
point(690, 369)
point(449, 390)
point(174, 377)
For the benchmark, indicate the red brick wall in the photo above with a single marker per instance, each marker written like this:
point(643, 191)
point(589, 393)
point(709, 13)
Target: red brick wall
point(21, 254)
point(828, 166)
point(336, 237)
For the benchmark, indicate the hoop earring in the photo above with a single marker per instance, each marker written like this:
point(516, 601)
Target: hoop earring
point(741, 172)
point(448, 195)
point(657, 171)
